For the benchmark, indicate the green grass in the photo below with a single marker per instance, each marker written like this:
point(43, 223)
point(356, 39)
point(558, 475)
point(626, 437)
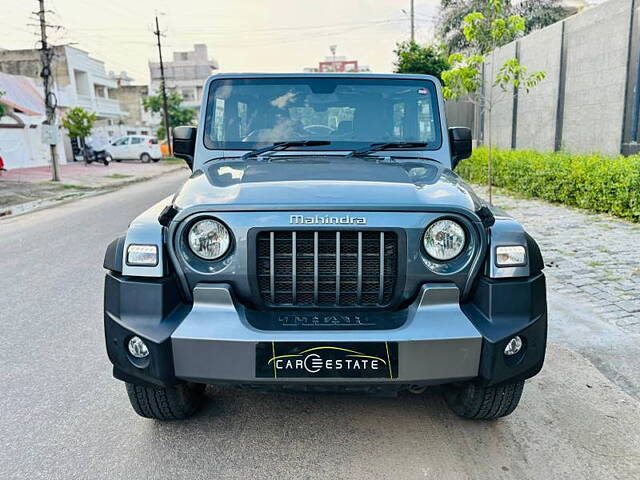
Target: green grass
point(173, 160)
point(591, 181)
point(117, 176)
point(71, 186)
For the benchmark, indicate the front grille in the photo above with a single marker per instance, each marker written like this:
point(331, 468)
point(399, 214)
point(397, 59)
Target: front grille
point(327, 268)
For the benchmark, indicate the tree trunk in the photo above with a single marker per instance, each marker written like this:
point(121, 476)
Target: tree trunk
point(489, 108)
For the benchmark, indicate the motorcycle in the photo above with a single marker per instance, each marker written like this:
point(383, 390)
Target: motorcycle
point(99, 156)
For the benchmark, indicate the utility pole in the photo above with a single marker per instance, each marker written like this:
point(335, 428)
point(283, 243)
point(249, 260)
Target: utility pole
point(165, 106)
point(49, 98)
point(413, 29)
point(333, 53)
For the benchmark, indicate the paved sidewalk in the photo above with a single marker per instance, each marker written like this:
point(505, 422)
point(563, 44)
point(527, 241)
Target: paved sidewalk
point(25, 189)
point(594, 257)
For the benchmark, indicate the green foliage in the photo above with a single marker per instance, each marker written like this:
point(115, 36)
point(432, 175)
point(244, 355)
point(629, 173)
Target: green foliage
point(465, 76)
point(592, 181)
point(178, 115)
point(540, 13)
point(414, 58)
point(514, 74)
point(452, 14)
point(79, 122)
point(3, 107)
point(485, 33)
point(536, 13)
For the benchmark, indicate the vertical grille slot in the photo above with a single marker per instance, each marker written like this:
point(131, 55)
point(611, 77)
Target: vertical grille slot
point(308, 268)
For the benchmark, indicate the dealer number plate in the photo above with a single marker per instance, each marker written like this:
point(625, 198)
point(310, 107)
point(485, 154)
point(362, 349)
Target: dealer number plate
point(327, 360)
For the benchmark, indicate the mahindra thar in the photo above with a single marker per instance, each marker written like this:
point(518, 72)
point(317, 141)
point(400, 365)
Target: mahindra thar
point(324, 243)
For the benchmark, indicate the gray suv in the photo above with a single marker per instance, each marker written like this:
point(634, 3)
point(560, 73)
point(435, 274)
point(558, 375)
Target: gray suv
point(324, 243)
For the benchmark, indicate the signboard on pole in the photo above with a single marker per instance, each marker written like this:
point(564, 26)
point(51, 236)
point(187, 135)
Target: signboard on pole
point(50, 134)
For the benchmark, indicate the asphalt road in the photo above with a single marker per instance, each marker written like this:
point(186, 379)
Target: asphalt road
point(63, 416)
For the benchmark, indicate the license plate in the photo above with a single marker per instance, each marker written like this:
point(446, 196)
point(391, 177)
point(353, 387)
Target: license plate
point(327, 360)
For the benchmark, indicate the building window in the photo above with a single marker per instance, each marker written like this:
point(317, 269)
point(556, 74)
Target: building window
point(82, 82)
point(187, 95)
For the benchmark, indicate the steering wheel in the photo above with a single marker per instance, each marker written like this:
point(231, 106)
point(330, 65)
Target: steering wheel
point(318, 130)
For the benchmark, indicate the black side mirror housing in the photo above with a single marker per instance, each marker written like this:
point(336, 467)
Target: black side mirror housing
point(461, 146)
point(184, 144)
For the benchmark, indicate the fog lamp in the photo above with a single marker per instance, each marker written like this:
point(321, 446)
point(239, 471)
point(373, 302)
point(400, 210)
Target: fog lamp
point(137, 348)
point(142, 255)
point(513, 347)
point(511, 256)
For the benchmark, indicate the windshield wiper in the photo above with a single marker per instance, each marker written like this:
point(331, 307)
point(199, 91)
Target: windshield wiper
point(283, 146)
point(375, 147)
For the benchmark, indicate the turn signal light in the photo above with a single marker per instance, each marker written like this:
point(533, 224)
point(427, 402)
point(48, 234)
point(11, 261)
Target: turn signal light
point(142, 255)
point(511, 256)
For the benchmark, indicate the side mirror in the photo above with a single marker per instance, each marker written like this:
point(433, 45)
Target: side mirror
point(461, 147)
point(184, 144)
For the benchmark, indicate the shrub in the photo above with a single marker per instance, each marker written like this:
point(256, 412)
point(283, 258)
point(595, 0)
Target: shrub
point(592, 181)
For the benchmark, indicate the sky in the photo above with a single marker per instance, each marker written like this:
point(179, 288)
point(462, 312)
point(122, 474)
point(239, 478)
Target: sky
point(242, 35)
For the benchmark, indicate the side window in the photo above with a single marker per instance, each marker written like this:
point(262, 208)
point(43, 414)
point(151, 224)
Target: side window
point(136, 140)
point(119, 142)
point(243, 115)
point(398, 121)
point(426, 121)
point(218, 124)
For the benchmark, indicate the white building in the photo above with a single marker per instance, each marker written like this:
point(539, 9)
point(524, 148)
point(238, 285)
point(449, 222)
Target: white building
point(185, 74)
point(21, 127)
point(79, 80)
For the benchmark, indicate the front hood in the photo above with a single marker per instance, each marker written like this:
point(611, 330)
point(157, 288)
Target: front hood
point(325, 183)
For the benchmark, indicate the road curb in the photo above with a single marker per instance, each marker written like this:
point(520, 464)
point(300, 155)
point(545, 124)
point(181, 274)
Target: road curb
point(63, 199)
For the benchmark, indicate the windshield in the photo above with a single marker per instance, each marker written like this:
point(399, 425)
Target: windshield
point(350, 113)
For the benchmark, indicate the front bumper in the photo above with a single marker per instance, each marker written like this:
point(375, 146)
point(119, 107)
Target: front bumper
point(213, 341)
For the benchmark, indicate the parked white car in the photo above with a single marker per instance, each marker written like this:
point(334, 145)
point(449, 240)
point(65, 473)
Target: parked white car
point(134, 147)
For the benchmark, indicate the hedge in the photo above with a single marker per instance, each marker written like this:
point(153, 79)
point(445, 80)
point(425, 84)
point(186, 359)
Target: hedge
point(594, 182)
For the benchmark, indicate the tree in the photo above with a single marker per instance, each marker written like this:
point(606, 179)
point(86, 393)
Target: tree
point(452, 15)
point(79, 124)
point(178, 115)
point(537, 14)
point(540, 13)
point(3, 108)
point(484, 34)
point(413, 58)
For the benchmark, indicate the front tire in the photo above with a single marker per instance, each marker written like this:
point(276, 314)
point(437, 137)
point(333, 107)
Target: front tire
point(476, 402)
point(166, 403)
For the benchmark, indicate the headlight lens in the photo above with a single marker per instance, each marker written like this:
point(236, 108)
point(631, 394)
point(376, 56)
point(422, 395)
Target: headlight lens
point(209, 239)
point(444, 239)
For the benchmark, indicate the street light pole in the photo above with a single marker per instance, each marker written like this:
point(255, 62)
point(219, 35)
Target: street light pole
point(45, 57)
point(165, 106)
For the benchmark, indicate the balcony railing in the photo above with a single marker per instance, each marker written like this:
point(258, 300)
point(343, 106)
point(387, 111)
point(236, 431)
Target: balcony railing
point(99, 105)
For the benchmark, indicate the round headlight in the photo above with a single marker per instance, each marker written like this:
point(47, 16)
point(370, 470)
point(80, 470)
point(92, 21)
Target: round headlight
point(444, 239)
point(209, 239)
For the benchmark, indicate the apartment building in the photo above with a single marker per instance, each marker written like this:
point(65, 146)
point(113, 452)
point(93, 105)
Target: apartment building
point(185, 74)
